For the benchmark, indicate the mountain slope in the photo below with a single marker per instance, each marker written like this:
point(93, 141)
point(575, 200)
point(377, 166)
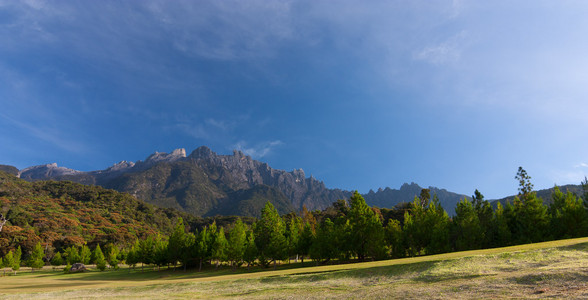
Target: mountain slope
point(62, 213)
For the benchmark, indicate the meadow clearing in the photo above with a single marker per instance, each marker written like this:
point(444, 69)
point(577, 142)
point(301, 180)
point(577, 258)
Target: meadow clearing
point(543, 270)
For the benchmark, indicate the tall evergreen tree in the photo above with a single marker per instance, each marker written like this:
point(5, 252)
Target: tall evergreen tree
point(17, 259)
point(100, 260)
point(250, 254)
point(35, 261)
point(367, 233)
point(568, 216)
point(112, 257)
point(176, 242)
point(219, 247)
point(57, 259)
point(237, 243)
point(467, 233)
point(269, 235)
point(85, 255)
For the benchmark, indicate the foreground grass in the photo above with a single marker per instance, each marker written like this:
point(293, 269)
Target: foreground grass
point(554, 269)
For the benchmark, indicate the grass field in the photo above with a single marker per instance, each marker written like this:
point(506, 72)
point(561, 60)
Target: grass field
point(553, 269)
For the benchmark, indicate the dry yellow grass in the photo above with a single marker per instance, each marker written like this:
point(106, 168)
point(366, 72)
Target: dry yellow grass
point(553, 269)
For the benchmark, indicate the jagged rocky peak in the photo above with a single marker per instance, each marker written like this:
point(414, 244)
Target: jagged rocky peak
point(202, 152)
point(46, 171)
point(123, 165)
point(162, 156)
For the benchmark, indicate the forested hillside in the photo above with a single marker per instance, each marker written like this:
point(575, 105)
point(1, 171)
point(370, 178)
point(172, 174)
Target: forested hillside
point(64, 214)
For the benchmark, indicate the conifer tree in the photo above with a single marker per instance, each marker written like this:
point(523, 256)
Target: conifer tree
point(112, 259)
point(35, 261)
point(367, 234)
point(219, 247)
point(16, 262)
point(85, 255)
point(250, 253)
point(236, 244)
point(8, 261)
point(57, 259)
point(269, 235)
point(99, 257)
point(176, 242)
point(467, 231)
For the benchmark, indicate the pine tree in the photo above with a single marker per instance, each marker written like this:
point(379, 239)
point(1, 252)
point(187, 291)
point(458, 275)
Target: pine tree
point(467, 232)
point(219, 247)
point(250, 253)
point(161, 256)
point(237, 243)
point(306, 240)
point(269, 235)
point(8, 260)
point(16, 261)
point(113, 252)
point(57, 259)
point(85, 255)
point(35, 261)
point(99, 257)
point(367, 233)
point(176, 242)
point(394, 238)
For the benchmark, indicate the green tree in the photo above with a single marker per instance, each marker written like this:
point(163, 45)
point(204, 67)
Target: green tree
point(17, 260)
point(568, 216)
point(250, 253)
point(468, 234)
point(112, 258)
point(35, 260)
point(8, 261)
point(176, 242)
point(161, 255)
point(367, 233)
point(293, 235)
point(57, 259)
point(133, 256)
point(72, 255)
point(201, 247)
point(325, 246)
point(394, 238)
point(237, 243)
point(100, 260)
point(525, 185)
point(530, 220)
point(220, 247)
point(187, 250)
point(306, 240)
point(269, 235)
point(485, 214)
point(85, 255)
point(146, 251)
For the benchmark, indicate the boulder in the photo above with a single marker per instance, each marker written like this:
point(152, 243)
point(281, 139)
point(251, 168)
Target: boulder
point(77, 267)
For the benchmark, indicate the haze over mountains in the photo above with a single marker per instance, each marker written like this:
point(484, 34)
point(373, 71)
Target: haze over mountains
point(205, 183)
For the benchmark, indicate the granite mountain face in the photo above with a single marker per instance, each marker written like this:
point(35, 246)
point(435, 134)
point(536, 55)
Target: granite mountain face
point(205, 183)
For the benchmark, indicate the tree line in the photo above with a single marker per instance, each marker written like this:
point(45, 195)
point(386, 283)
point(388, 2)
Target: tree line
point(347, 231)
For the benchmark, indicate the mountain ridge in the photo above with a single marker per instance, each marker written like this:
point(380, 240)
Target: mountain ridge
point(204, 183)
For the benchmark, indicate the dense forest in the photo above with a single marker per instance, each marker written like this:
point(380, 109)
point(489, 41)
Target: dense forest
point(349, 230)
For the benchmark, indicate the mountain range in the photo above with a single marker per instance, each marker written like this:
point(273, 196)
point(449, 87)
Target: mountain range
point(205, 184)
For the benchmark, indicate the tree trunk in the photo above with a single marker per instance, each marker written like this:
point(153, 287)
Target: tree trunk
point(200, 266)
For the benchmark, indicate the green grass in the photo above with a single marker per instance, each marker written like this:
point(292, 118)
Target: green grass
point(553, 269)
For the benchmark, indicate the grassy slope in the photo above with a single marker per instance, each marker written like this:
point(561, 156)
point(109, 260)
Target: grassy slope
point(558, 268)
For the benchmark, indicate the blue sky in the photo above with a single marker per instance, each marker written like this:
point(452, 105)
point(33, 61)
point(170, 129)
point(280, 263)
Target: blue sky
point(453, 94)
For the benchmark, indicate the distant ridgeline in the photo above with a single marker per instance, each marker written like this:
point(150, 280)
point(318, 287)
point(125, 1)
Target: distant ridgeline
point(207, 184)
point(50, 221)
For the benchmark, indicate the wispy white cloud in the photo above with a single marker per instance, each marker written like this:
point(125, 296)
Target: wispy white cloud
point(581, 165)
point(259, 150)
point(447, 51)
